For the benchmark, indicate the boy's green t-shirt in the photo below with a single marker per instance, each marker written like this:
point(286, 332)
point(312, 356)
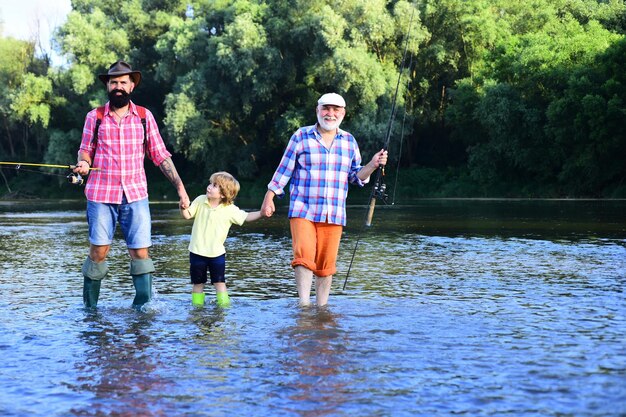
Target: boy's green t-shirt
point(211, 226)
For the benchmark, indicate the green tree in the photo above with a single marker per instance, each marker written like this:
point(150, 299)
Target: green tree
point(15, 57)
point(502, 117)
point(249, 74)
point(98, 33)
point(510, 95)
point(25, 100)
point(460, 37)
point(587, 122)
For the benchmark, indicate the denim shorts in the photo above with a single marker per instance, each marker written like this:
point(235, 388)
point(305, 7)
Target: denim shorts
point(134, 220)
point(198, 266)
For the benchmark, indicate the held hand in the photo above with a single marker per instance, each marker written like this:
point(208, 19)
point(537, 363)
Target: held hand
point(268, 208)
point(82, 168)
point(379, 159)
point(184, 200)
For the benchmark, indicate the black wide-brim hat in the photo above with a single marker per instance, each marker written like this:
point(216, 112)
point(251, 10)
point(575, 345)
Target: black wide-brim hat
point(121, 68)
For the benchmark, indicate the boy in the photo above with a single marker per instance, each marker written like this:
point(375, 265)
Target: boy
point(214, 213)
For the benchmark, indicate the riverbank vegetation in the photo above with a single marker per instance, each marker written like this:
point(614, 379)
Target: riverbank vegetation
point(496, 99)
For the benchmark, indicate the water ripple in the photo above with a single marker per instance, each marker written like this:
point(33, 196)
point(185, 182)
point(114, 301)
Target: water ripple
point(481, 324)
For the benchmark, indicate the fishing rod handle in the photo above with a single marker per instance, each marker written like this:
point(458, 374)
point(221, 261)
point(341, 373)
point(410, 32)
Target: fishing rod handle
point(90, 168)
point(370, 212)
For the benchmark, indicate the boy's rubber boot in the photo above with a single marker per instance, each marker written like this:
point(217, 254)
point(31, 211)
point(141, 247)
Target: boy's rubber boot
point(93, 274)
point(141, 270)
point(197, 298)
point(223, 300)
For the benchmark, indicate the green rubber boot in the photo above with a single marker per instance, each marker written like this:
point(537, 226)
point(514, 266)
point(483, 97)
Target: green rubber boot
point(93, 274)
point(197, 298)
point(91, 292)
point(223, 300)
point(141, 271)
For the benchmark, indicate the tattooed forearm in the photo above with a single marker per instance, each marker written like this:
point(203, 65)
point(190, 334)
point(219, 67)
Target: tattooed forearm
point(169, 170)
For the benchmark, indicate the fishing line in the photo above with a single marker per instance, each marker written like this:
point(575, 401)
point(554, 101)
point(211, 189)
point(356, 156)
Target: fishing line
point(20, 169)
point(379, 188)
point(395, 184)
point(73, 178)
point(18, 165)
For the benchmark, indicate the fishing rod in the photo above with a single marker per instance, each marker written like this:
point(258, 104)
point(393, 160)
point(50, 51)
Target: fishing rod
point(73, 178)
point(379, 188)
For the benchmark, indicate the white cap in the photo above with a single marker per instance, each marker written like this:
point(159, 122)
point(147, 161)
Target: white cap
point(332, 99)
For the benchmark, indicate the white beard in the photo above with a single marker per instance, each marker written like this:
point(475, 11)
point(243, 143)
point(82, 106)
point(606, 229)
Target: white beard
point(329, 124)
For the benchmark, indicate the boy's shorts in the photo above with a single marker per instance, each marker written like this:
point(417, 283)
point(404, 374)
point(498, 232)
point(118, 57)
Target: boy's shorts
point(315, 245)
point(134, 220)
point(198, 266)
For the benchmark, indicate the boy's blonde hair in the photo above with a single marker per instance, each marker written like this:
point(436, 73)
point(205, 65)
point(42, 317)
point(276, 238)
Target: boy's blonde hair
point(229, 186)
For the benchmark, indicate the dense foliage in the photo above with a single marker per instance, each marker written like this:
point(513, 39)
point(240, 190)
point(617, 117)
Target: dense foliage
point(497, 98)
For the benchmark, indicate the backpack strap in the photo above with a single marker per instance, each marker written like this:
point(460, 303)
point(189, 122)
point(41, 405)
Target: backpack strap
point(142, 114)
point(100, 116)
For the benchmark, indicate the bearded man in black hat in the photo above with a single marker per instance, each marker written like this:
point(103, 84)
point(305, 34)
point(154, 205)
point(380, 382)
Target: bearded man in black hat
point(115, 139)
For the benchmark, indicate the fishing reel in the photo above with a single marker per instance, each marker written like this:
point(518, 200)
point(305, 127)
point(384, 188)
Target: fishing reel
point(75, 179)
point(380, 192)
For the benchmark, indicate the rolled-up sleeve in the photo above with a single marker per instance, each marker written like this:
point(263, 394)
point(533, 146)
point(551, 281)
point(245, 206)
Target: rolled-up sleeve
point(86, 142)
point(356, 167)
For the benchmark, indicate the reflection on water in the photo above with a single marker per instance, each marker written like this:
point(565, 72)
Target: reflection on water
point(452, 307)
point(314, 358)
point(117, 364)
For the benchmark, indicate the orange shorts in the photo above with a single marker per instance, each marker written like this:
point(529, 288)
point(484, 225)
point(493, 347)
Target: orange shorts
point(315, 245)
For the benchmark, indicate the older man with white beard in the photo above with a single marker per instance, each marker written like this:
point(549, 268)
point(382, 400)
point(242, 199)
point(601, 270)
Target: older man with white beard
point(320, 160)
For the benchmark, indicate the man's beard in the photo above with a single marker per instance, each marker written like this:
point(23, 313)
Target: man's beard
point(329, 124)
point(119, 101)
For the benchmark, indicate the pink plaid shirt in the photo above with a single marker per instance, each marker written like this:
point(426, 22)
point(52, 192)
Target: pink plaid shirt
point(120, 155)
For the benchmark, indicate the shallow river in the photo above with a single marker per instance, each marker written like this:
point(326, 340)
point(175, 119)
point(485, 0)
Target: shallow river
point(452, 307)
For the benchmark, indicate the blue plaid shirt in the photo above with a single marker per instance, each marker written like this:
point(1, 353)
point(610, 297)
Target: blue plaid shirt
point(319, 176)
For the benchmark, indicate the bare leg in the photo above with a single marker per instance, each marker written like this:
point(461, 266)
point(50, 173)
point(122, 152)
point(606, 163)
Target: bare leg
point(304, 280)
point(220, 287)
point(98, 253)
point(322, 289)
point(141, 253)
point(198, 288)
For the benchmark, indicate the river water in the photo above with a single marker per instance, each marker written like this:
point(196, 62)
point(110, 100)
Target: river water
point(452, 307)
